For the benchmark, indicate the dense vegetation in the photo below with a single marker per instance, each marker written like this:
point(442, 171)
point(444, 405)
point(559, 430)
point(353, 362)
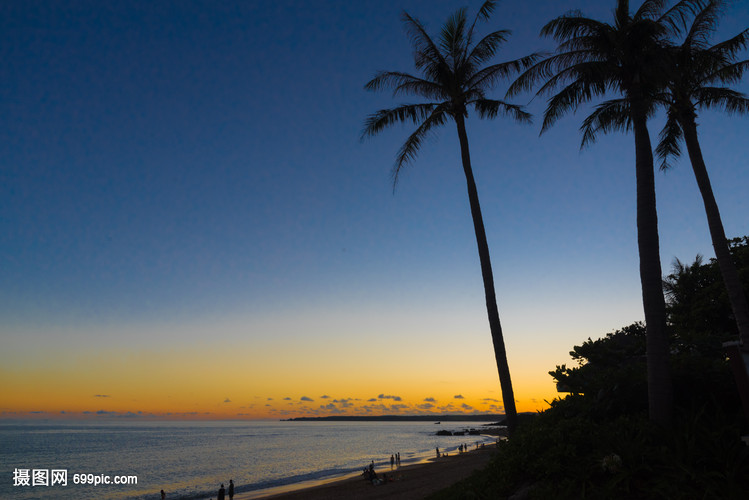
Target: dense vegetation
point(658, 57)
point(597, 442)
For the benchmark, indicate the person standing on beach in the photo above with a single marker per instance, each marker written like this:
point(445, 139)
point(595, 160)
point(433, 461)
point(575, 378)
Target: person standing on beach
point(163, 495)
point(221, 493)
point(438, 452)
point(231, 489)
point(392, 461)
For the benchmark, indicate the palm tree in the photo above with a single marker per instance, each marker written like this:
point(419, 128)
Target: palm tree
point(592, 59)
point(696, 75)
point(454, 79)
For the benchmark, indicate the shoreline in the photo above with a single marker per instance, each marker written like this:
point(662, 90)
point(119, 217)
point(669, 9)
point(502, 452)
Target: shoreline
point(410, 481)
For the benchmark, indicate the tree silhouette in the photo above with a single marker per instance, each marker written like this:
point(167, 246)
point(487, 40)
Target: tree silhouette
point(592, 59)
point(696, 78)
point(453, 79)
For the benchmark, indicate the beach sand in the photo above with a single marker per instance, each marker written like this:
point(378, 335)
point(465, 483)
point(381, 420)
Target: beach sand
point(412, 481)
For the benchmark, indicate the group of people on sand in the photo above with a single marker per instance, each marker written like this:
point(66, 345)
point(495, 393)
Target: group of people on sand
point(371, 476)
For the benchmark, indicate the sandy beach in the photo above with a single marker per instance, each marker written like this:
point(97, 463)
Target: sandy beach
point(410, 481)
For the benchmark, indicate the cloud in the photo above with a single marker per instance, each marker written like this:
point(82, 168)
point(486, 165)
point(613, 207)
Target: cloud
point(458, 396)
point(331, 408)
point(102, 395)
point(371, 400)
point(287, 399)
point(430, 400)
point(394, 398)
point(305, 398)
point(491, 400)
point(104, 412)
point(325, 397)
point(227, 400)
point(425, 406)
point(466, 406)
point(130, 414)
point(269, 399)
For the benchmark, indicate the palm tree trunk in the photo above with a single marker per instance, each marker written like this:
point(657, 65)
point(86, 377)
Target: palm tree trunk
point(508, 396)
point(736, 295)
point(660, 391)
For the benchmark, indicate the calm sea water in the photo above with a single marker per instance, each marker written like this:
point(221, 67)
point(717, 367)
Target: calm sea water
point(189, 460)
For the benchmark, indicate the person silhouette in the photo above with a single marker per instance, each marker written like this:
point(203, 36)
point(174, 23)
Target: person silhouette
point(231, 489)
point(163, 495)
point(222, 493)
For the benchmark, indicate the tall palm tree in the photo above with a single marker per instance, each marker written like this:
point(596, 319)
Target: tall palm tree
point(454, 79)
point(592, 59)
point(696, 77)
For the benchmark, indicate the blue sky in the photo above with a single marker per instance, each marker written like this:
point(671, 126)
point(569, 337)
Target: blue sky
point(172, 164)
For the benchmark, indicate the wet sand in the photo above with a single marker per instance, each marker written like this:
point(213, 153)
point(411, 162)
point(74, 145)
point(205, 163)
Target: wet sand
point(411, 481)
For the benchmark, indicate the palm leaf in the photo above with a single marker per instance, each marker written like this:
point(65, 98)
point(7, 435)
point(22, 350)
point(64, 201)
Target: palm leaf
point(426, 50)
point(487, 77)
point(730, 101)
point(384, 118)
point(487, 47)
point(611, 115)
point(669, 140)
point(410, 148)
point(490, 108)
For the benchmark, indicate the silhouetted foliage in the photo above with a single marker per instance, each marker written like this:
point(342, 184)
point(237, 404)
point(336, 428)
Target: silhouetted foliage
point(698, 77)
point(593, 59)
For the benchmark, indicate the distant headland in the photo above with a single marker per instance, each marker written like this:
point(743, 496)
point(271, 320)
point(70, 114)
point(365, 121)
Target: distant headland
point(498, 418)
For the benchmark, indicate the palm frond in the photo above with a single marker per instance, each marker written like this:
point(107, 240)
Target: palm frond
point(572, 25)
point(483, 14)
point(731, 73)
point(565, 100)
point(426, 51)
point(487, 77)
point(731, 47)
point(452, 37)
point(486, 10)
point(703, 26)
point(404, 83)
point(674, 20)
point(669, 141)
point(728, 100)
point(410, 149)
point(384, 118)
point(608, 116)
point(649, 10)
point(490, 108)
point(487, 47)
point(548, 68)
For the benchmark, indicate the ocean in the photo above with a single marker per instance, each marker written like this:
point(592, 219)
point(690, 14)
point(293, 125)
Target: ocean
point(190, 459)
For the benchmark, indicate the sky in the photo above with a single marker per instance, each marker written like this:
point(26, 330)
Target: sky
point(192, 227)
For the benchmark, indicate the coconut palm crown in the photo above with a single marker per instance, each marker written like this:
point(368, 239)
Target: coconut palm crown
point(698, 76)
point(595, 59)
point(455, 76)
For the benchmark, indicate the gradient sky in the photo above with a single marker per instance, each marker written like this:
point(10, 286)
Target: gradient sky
point(190, 225)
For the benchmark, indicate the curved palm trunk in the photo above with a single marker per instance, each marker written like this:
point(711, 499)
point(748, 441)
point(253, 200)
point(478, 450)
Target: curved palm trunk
point(660, 392)
point(736, 295)
point(508, 396)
